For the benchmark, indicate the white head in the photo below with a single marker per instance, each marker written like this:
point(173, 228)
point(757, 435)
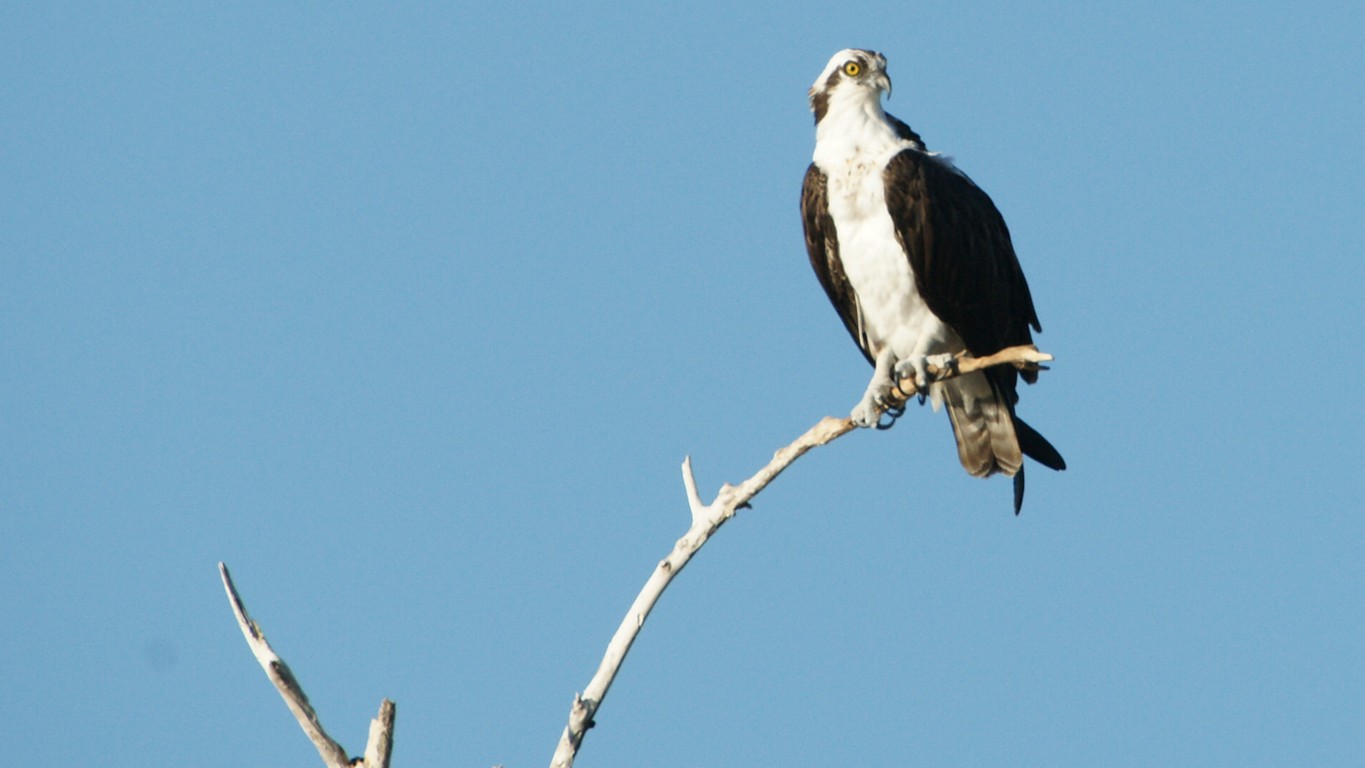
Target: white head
point(853, 77)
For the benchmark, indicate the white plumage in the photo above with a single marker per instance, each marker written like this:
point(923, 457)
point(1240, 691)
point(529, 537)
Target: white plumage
point(854, 141)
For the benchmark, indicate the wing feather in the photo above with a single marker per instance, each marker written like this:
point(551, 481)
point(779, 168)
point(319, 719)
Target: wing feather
point(968, 274)
point(964, 262)
point(961, 253)
point(822, 245)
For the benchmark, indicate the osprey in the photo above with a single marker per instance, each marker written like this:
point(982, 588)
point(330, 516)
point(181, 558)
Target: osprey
point(918, 262)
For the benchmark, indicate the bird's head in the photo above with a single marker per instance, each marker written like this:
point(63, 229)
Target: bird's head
point(854, 76)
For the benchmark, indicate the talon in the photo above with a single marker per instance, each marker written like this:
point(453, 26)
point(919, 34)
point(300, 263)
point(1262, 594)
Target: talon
point(941, 360)
point(878, 398)
point(862, 421)
point(905, 370)
point(865, 413)
point(918, 369)
point(891, 414)
point(946, 363)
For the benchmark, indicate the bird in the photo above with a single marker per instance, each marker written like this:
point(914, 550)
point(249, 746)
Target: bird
point(919, 264)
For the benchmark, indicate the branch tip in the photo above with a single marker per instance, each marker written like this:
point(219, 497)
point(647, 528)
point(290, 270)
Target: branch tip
point(690, 484)
point(284, 680)
point(379, 748)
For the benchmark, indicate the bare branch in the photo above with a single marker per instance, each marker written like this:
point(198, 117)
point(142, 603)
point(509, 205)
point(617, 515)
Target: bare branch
point(707, 518)
point(380, 746)
point(333, 755)
point(1025, 357)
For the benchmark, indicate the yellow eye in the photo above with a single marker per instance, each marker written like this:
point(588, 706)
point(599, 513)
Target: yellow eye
point(852, 69)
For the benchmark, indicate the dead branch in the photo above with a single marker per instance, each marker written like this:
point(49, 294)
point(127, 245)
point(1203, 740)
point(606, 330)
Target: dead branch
point(1025, 358)
point(707, 518)
point(380, 745)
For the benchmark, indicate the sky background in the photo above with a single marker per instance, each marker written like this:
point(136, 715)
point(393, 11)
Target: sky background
point(410, 315)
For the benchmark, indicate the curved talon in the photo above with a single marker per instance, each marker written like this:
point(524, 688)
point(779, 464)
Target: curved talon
point(893, 412)
point(917, 368)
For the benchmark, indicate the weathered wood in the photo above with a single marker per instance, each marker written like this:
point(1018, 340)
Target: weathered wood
point(707, 518)
point(380, 745)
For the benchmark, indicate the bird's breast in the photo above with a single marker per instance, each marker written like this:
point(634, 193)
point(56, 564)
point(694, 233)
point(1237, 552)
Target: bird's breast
point(891, 308)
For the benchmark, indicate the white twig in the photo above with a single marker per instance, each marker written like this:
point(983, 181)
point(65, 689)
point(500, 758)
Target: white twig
point(707, 518)
point(380, 745)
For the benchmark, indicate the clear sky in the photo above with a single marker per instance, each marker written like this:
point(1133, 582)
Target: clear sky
point(410, 314)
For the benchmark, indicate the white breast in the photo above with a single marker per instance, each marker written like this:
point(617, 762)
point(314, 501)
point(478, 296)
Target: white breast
point(891, 309)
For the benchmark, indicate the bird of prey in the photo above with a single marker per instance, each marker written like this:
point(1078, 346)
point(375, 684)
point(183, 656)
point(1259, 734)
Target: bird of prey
point(919, 264)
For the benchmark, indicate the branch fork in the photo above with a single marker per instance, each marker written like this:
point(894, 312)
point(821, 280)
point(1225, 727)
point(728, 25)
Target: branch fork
point(380, 745)
point(708, 518)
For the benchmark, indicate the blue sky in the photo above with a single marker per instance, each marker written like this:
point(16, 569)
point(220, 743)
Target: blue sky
point(410, 314)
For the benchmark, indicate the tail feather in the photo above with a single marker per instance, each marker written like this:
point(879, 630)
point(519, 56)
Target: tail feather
point(990, 438)
point(1036, 447)
point(983, 426)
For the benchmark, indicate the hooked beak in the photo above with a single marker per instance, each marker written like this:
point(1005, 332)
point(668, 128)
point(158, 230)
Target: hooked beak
point(883, 82)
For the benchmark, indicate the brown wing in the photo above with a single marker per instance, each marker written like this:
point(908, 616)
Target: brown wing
point(967, 272)
point(960, 250)
point(822, 244)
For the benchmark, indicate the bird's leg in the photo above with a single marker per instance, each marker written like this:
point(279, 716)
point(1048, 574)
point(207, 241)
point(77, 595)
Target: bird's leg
point(869, 409)
point(918, 367)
